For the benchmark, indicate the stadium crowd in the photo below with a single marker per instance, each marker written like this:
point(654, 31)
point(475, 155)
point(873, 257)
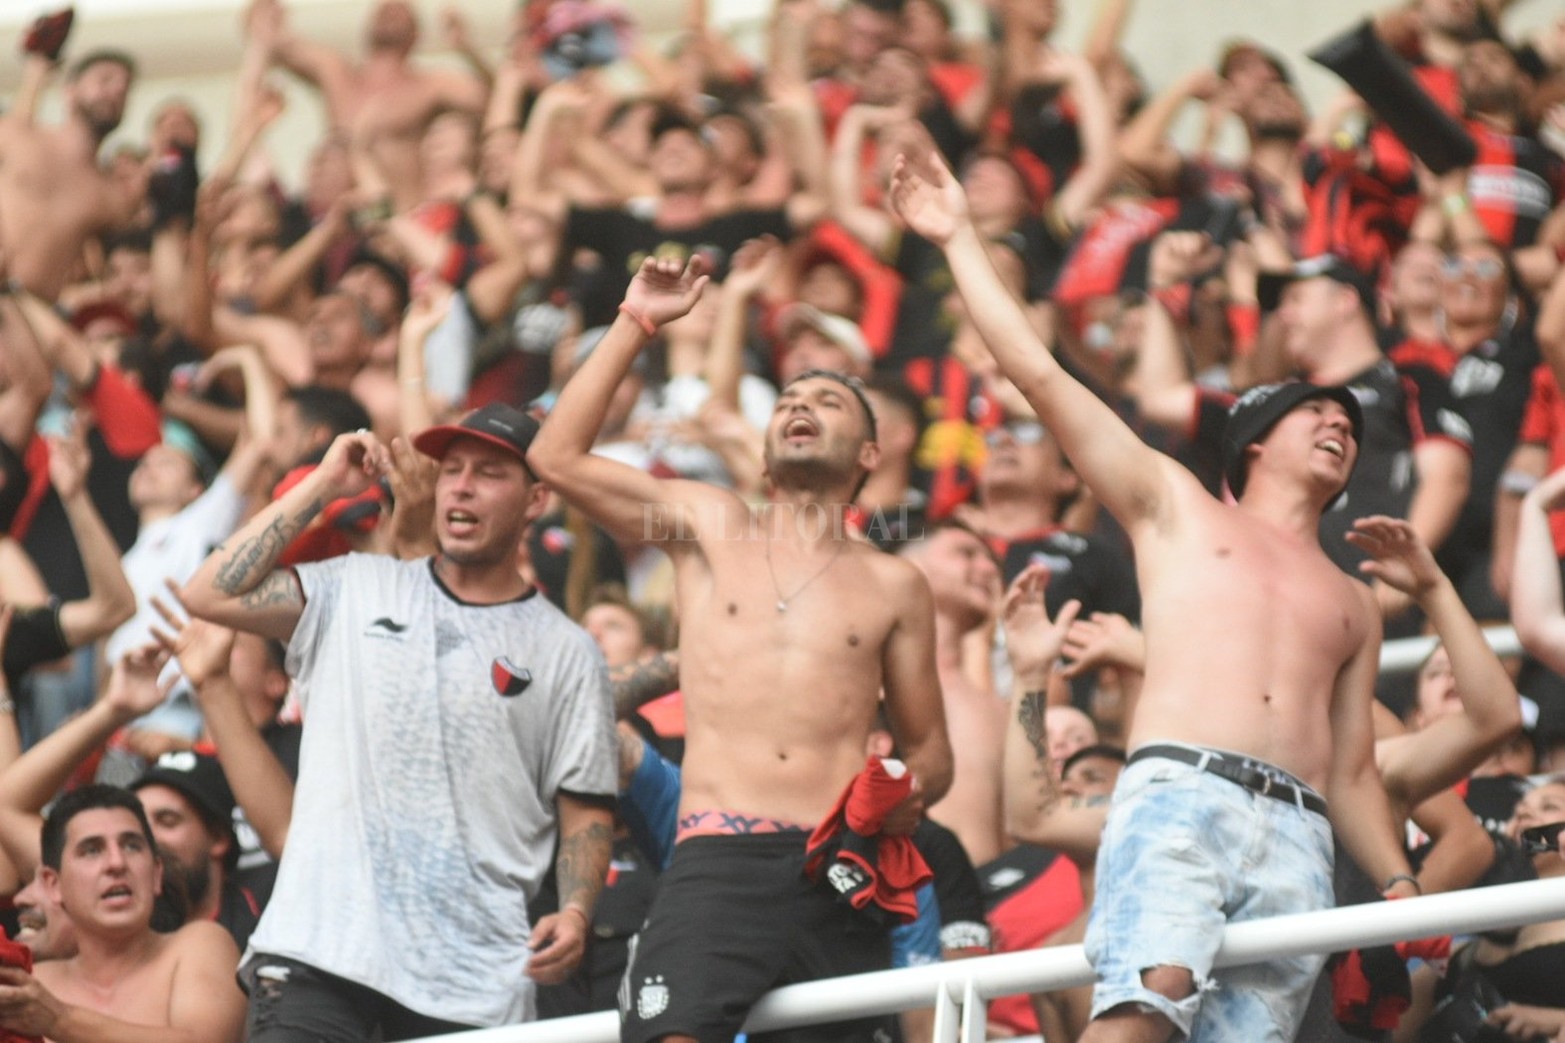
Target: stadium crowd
point(637, 540)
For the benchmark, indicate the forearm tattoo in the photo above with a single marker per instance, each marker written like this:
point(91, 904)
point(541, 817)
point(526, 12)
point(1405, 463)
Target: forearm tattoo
point(278, 588)
point(1030, 709)
point(583, 863)
point(636, 684)
point(255, 556)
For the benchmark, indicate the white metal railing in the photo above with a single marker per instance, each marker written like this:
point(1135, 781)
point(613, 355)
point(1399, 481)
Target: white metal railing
point(1408, 653)
point(960, 989)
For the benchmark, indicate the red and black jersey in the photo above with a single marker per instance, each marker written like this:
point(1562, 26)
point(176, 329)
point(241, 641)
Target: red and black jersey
point(1543, 424)
point(1514, 185)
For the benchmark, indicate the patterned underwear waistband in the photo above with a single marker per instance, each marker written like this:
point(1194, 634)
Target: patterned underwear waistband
point(732, 824)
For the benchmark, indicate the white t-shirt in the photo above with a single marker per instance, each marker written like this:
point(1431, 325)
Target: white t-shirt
point(424, 816)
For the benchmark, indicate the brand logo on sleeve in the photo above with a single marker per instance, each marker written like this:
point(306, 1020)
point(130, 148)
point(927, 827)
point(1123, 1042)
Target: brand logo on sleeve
point(508, 678)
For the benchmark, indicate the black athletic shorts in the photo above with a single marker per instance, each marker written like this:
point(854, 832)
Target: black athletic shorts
point(734, 917)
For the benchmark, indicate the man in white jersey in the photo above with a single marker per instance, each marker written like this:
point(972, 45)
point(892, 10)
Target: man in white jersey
point(459, 725)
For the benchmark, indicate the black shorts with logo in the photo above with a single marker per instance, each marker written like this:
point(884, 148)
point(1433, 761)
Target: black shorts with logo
point(734, 917)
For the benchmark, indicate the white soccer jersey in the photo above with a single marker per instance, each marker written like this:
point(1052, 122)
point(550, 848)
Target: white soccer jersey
point(437, 735)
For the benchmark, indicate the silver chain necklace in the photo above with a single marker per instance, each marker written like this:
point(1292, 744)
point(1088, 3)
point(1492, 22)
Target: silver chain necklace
point(782, 602)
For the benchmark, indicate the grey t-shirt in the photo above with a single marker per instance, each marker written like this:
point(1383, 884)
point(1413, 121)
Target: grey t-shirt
point(437, 736)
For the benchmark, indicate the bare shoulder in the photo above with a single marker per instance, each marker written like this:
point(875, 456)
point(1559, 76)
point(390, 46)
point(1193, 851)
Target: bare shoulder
point(206, 942)
point(897, 577)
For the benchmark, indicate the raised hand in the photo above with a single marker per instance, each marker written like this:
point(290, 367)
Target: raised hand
point(1032, 640)
point(429, 309)
point(412, 478)
point(1104, 639)
point(133, 686)
point(203, 649)
point(1178, 257)
point(69, 459)
point(928, 198)
point(755, 264)
point(1399, 558)
point(354, 462)
point(666, 288)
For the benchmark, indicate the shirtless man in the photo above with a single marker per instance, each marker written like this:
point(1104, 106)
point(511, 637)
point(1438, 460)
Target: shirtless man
point(126, 982)
point(963, 577)
point(383, 99)
point(1261, 661)
point(789, 629)
point(53, 195)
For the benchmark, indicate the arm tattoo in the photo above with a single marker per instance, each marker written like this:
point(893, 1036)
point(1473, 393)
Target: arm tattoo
point(583, 863)
point(1030, 715)
point(636, 684)
point(277, 589)
point(256, 555)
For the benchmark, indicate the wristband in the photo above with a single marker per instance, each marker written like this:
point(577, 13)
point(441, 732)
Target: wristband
point(1455, 204)
point(7, 706)
point(572, 907)
point(639, 319)
point(1398, 878)
point(1518, 483)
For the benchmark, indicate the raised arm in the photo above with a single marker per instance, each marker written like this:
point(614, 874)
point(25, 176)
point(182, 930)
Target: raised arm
point(1095, 123)
point(628, 502)
point(110, 600)
point(1537, 606)
point(870, 225)
point(1130, 478)
point(314, 63)
point(1423, 763)
point(238, 585)
point(34, 778)
point(261, 786)
point(1036, 810)
point(1163, 386)
point(755, 267)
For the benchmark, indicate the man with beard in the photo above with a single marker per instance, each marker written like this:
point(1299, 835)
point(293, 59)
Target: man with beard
point(384, 99)
point(191, 808)
point(185, 795)
point(790, 626)
point(53, 195)
point(125, 982)
point(460, 734)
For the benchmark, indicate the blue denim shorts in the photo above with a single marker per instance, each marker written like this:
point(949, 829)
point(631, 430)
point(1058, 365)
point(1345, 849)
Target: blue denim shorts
point(1184, 853)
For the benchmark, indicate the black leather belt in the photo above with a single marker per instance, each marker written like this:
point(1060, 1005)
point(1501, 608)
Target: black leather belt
point(1237, 771)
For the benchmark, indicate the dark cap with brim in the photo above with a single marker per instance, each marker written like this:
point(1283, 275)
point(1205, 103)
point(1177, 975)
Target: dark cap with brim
point(497, 423)
point(199, 778)
point(1270, 286)
point(1257, 411)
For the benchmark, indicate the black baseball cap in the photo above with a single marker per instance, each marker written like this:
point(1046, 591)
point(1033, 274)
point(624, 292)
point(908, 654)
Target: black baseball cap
point(199, 779)
point(497, 423)
point(1257, 411)
point(1270, 285)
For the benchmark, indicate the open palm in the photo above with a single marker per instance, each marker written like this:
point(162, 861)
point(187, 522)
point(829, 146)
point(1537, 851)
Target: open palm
point(929, 199)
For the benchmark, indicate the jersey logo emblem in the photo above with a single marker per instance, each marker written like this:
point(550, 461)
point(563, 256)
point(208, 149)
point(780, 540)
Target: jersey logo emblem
point(509, 679)
point(385, 626)
point(651, 998)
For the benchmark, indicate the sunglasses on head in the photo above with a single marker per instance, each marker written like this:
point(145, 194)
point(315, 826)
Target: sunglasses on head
point(1481, 267)
point(1538, 839)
